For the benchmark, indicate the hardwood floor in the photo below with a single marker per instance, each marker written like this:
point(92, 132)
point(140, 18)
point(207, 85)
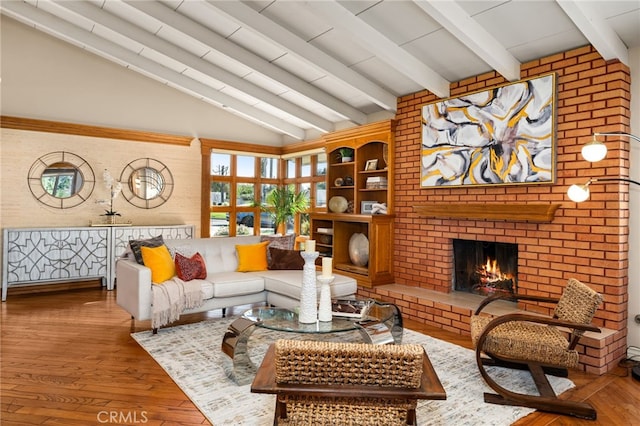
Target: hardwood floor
point(68, 359)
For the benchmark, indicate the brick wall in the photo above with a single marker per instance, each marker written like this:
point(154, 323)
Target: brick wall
point(587, 241)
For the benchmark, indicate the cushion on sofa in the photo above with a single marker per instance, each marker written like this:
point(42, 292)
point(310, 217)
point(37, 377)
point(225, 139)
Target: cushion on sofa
point(252, 257)
point(285, 259)
point(228, 284)
point(219, 253)
point(159, 260)
point(190, 268)
point(284, 242)
point(185, 249)
point(289, 283)
point(149, 242)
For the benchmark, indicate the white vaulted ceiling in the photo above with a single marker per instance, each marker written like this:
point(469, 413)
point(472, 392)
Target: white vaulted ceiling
point(305, 67)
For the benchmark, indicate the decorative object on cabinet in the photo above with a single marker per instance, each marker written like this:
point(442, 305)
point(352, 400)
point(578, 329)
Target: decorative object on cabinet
point(148, 183)
point(366, 207)
point(338, 182)
point(61, 180)
point(114, 189)
point(359, 249)
point(338, 204)
point(348, 181)
point(379, 208)
point(72, 254)
point(493, 138)
point(346, 154)
point(371, 165)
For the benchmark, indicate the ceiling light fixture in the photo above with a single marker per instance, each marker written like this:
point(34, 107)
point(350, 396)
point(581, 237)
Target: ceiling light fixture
point(595, 150)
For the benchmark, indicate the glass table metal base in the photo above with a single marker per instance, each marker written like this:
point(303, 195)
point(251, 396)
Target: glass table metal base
point(381, 325)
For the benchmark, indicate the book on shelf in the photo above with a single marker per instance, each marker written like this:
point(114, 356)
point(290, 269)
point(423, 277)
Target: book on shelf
point(350, 308)
point(376, 182)
point(325, 231)
point(378, 179)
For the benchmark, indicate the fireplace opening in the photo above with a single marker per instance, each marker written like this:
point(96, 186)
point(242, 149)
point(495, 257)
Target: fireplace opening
point(484, 268)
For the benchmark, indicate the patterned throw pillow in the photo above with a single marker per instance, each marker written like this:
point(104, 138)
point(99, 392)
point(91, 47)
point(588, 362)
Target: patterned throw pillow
point(190, 268)
point(285, 259)
point(137, 244)
point(185, 250)
point(286, 242)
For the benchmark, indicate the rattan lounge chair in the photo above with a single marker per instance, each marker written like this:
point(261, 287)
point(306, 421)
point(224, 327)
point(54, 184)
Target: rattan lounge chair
point(540, 344)
point(323, 383)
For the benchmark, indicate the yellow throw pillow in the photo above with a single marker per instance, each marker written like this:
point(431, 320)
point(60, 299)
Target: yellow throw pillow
point(159, 260)
point(252, 257)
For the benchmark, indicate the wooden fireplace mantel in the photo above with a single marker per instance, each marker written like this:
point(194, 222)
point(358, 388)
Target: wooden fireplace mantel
point(511, 211)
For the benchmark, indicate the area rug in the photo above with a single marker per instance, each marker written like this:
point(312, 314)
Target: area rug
point(191, 355)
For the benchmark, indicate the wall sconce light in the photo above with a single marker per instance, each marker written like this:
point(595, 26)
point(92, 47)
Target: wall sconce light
point(595, 150)
point(579, 193)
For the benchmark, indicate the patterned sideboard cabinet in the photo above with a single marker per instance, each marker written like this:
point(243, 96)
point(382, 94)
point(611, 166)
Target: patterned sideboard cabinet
point(35, 256)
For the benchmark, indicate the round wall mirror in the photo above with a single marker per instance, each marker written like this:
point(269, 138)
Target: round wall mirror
point(147, 183)
point(61, 179)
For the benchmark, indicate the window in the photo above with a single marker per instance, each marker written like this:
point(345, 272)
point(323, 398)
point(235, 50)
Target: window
point(291, 168)
point(239, 183)
point(221, 164)
point(269, 168)
point(305, 169)
point(246, 166)
point(245, 195)
point(321, 165)
point(299, 173)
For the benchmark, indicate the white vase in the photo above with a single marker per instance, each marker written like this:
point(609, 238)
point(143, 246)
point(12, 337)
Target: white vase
point(324, 309)
point(308, 294)
point(359, 249)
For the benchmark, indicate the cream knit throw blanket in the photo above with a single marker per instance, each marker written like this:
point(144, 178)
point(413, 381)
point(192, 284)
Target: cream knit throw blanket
point(171, 298)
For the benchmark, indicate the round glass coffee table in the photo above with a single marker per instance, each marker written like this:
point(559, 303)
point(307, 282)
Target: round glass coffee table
point(382, 324)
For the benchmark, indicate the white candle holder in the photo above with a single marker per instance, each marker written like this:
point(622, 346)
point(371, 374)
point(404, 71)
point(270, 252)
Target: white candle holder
point(308, 294)
point(324, 310)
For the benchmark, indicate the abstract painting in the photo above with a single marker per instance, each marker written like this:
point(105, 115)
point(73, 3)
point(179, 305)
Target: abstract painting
point(504, 135)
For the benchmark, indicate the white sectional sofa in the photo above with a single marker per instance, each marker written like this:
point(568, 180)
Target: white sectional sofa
point(223, 287)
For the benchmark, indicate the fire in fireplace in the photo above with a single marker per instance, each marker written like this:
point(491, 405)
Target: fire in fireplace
point(484, 268)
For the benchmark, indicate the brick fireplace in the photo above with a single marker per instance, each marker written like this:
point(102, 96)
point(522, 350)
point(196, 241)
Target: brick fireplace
point(588, 241)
